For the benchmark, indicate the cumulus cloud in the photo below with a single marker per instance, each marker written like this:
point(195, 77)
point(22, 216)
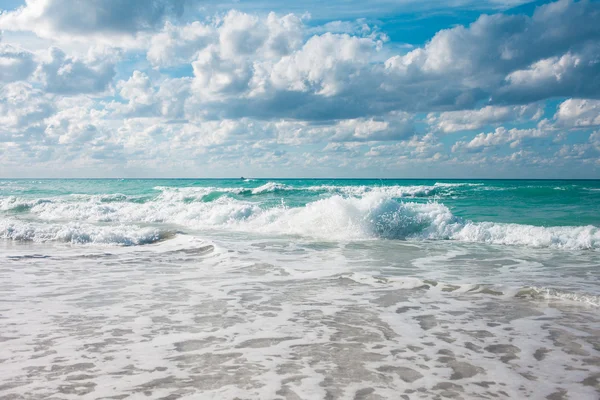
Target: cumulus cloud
point(246, 65)
point(176, 45)
point(242, 51)
point(23, 109)
point(66, 75)
point(74, 125)
point(241, 85)
point(215, 77)
point(84, 18)
point(498, 59)
point(15, 64)
point(393, 127)
point(275, 75)
point(51, 18)
point(488, 59)
point(588, 152)
point(456, 121)
point(578, 113)
point(144, 99)
point(499, 137)
point(416, 148)
point(325, 65)
point(572, 74)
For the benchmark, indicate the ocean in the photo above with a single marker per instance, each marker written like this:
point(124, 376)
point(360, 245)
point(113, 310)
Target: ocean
point(299, 289)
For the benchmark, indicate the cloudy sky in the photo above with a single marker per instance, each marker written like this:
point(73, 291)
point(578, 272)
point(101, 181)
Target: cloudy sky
point(403, 88)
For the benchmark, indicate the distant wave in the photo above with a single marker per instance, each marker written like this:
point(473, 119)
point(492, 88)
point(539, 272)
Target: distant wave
point(438, 189)
point(270, 187)
point(372, 215)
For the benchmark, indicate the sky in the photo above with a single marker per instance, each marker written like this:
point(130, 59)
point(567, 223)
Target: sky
point(343, 88)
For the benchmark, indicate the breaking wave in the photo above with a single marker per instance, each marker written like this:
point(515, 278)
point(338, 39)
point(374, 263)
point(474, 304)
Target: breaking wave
point(77, 233)
point(370, 215)
point(396, 191)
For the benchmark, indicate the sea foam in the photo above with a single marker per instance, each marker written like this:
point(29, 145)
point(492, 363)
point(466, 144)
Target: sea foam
point(371, 215)
point(77, 233)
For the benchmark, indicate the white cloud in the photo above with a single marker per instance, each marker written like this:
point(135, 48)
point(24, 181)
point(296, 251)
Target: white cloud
point(578, 113)
point(545, 71)
point(588, 153)
point(22, 111)
point(476, 62)
point(456, 121)
point(268, 88)
point(66, 75)
point(339, 76)
point(244, 45)
point(285, 34)
point(263, 67)
point(415, 149)
point(74, 125)
point(89, 17)
point(216, 77)
point(84, 18)
point(571, 74)
point(240, 35)
point(499, 137)
point(144, 98)
point(393, 127)
point(176, 45)
point(324, 65)
point(137, 89)
point(15, 64)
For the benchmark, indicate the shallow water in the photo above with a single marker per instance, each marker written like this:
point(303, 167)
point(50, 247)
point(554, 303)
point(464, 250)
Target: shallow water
point(224, 301)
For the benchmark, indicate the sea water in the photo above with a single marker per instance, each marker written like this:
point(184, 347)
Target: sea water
point(310, 289)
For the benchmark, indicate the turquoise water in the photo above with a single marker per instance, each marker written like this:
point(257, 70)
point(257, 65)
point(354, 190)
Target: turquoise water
point(536, 202)
point(529, 202)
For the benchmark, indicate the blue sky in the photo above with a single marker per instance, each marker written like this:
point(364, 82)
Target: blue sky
point(404, 88)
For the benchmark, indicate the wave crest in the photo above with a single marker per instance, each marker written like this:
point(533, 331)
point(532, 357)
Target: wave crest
point(371, 215)
point(76, 233)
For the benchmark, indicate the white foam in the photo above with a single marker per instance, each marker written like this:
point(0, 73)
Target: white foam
point(198, 193)
point(456, 184)
point(557, 294)
point(271, 187)
point(500, 291)
point(567, 237)
point(77, 233)
point(368, 216)
point(396, 191)
point(296, 324)
point(341, 218)
point(393, 191)
point(15, 203)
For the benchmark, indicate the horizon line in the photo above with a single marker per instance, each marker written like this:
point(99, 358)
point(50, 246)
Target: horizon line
point(326, 178)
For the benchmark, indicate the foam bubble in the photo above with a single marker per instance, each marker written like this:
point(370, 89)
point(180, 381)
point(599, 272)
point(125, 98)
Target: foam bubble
point(369, 215)
point(393, 191)
point(12, 203)
point(270, 187)
point(535, 292)
point(528, 292)
point(77, 233)
point(567, 237)
point(438, 189)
